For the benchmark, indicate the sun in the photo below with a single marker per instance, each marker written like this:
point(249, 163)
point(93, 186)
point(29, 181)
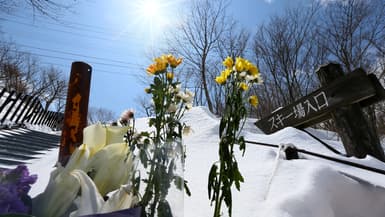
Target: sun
point(150, 19)
point(151, 11)
point(150, 8)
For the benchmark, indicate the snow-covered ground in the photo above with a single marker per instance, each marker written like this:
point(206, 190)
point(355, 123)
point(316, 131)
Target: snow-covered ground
point(275, 187)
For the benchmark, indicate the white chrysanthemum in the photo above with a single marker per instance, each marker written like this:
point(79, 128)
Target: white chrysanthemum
point(172, 108)
point(243, 74)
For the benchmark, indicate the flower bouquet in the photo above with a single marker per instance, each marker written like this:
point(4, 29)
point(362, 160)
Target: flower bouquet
point(236, 79)
point(104, 175)
point(90, 182)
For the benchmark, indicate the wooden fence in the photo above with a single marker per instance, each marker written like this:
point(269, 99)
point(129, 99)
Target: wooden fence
point(18, 109)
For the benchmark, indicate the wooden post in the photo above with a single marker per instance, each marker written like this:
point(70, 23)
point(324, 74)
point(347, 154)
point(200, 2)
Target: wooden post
point(358, 137)
point(75, 115)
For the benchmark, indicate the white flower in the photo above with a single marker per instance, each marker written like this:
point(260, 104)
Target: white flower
point(188, 106)
point(58, 196)
point(99, 155)
point(189, 96)
point(172, 108)
point(177, 88)
point(243, 74)
point(103, 164)
point(91, 202)
point(250, 77)
point(187, 130)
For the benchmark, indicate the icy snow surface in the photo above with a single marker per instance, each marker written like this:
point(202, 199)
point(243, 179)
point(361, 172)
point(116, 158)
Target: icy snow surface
point(308, 187)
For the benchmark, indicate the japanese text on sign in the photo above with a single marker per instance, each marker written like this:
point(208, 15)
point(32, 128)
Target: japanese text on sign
point(300, 110)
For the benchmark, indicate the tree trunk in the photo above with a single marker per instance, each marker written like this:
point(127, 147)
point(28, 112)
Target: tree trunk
point(355, 130)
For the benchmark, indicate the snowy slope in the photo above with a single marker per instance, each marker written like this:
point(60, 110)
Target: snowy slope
point(308, 187)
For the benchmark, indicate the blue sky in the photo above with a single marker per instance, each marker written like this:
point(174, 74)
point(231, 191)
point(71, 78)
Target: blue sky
point(114, 37)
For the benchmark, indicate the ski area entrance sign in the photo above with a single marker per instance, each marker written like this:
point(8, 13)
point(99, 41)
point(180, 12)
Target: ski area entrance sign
point(340, 96)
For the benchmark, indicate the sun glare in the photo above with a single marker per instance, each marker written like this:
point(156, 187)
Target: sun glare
point(151, 10)
point(151, 18)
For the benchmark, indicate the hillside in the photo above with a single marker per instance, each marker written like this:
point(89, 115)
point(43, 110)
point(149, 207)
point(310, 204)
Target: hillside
point(307, 187)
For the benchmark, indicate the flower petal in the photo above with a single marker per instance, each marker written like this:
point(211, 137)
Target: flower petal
point(90, 201)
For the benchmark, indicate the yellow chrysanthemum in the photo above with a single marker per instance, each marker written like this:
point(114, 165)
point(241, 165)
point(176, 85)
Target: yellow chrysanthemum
point(240, 64)
point(253, 100)
point(228, 62)
point(247, 65)
point(161, 63)
point(170, 75)
point(221, 79)
point(227, 72)
point(253, 70)
point(174, 62)
point(243, 86)
point(151, 69)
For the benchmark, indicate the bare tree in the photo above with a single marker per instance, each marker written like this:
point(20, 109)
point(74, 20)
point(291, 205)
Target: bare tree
point(145, 106)
point(196, 40)
point(12, 63)
point(351, 30)
point(353, 33)
point(50, 8)
point(54, 87)
point(100, 115)
point(287, 55)
point(21, 72)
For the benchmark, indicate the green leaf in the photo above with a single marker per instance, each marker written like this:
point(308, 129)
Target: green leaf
point(143, 157)
point(171, 168)
point(212, 179)
point(151, 122)
point(157, 81)
point(222, 126)
point(242, 145)
point(178, 181)
point(186, 188)
point(227, 198)
point(164, 209)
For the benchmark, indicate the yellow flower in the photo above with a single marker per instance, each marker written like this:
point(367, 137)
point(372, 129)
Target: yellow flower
point(240, 64)
point(160, 63)
point(243, 86)
point(228, 62)
point(253, 100)
point(174, 62)
point(151, 69)
point(170, 75)
point(247, 65)
point(221, 79)
point(253, 70)
point(227, 72)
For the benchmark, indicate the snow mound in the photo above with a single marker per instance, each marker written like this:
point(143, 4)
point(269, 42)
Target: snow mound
point(307, 187)
point(322, 192)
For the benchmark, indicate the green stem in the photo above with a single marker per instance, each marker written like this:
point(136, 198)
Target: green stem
point(218, 200)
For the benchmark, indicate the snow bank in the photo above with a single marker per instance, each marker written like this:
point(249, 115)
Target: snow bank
point(308, 187)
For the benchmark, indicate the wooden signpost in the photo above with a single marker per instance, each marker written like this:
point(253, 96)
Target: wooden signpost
point(339, 93)
point(75, 115)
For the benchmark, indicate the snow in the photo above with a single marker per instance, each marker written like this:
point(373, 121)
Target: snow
point(275, 187)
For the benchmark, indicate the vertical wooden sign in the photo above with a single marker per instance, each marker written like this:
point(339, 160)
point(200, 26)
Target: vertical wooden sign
point(75, 115)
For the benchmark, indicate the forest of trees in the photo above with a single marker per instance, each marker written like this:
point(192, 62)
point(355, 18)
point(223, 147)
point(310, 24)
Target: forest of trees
point(21, 72)
point(288, 49)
